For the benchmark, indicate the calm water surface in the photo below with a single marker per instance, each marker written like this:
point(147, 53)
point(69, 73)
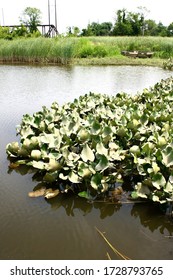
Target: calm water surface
point(65, 227)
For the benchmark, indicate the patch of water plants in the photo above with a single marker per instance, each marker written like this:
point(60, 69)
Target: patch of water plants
point(168, 65)
point(97, 142)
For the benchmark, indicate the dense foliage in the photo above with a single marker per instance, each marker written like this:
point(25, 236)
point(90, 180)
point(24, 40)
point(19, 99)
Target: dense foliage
point(129, 24)
point(32, 18)
point(94, 142)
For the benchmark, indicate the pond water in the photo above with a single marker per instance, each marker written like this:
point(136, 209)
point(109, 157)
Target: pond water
point(65, 227)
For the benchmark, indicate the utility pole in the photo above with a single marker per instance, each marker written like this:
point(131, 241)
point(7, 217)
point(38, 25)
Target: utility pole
point(55, 15)
point(3, 22)
point(49, 11)
point(52, 13)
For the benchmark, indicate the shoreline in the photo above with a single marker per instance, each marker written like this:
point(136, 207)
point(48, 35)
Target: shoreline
point(105, 61)
point(118, 61)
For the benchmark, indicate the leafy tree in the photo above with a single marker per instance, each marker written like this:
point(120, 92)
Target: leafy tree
point(136, 22)
point(105, 28)
point(20, 31)
point(170, 29)
point(122, 29)
point(150, 27)
point(161, 30)
point(76, 30)
point(87, 31)
point(4, 32)
point(31, 17)
point(130, 23)
point(98, 29)
point(73, 31)
point(127, 23)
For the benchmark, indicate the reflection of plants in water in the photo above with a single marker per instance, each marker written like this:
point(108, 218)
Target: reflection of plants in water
point(96, 140)
point(150, 215)
point(153, 216)
point(71, 202)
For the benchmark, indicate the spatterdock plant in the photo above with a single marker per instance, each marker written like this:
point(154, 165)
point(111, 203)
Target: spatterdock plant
point(94, 141)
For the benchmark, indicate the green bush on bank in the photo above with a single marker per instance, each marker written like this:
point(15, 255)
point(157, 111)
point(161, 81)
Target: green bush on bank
point(94, 142)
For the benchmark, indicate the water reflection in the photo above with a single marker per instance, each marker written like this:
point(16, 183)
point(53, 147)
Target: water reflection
point(152, 216)
point(145, 214)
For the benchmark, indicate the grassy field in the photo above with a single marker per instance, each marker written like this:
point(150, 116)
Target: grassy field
point(85, 50)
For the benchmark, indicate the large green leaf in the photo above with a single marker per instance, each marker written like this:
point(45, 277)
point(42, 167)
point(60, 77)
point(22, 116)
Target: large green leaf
point(48, 139)
point(83, 134)
point(87, 154)
point(12, 149)
point(50, 177)
point(84, 194)
point(95, 128)
point(158, 180)
point(83, 170)
point(96, 181)
point(169, 188)
point(74, 178)
point(167, 155)
point(107, 131)
point(142, 190)
point(38, 164)
point(26, 132)
point(36, 154)
point(53, 165)
point(101, 149)
point(102, 164)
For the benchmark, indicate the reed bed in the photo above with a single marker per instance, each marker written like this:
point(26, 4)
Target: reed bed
point(37, 50)
point(64, 50)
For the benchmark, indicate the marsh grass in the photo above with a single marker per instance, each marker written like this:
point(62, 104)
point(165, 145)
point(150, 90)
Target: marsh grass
point(39, 50)
point(64, 50)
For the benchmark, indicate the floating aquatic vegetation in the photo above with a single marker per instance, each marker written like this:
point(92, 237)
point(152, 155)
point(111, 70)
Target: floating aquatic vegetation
point(97, 140)
point(168, 65)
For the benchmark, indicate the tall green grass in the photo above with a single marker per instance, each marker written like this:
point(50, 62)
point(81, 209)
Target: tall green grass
point(64, 50)
point(41, 50)
point(161, 46)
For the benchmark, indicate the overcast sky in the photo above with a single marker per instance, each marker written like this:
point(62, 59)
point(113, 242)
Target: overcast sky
point(80, 13)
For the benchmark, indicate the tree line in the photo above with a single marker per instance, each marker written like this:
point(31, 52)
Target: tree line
point(126, 24)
